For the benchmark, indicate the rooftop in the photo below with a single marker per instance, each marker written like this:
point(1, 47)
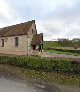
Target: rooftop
point(15, 30)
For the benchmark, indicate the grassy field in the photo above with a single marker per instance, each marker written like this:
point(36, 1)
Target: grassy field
point(51, 44)
point(55, 45)
point(60, 52)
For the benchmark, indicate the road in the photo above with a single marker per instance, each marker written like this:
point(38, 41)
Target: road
point(12, 84)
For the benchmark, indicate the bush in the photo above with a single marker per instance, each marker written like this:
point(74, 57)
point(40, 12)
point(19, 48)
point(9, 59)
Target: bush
point(65, 50)
point(45, 64)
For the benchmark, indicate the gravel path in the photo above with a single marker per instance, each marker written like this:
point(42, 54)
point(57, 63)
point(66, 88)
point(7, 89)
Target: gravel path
point(9, 83)
point(52, 55)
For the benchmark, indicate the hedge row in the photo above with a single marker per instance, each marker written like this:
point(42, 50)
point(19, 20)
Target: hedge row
point(65, 50)
point(46, 64)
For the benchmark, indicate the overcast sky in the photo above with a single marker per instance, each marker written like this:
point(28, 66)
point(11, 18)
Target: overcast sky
point(54, 18)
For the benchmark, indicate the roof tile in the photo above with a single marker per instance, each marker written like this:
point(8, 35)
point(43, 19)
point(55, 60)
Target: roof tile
point(15, 30)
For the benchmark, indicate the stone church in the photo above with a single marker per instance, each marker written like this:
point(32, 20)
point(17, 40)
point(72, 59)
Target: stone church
point(21, 39)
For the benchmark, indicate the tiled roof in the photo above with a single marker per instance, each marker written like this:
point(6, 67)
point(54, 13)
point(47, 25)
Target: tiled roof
point(15, 30)
point(37, 39)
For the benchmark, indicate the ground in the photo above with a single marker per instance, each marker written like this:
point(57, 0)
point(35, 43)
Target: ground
point(53, 55)
point(36, 79)
point(11, 83)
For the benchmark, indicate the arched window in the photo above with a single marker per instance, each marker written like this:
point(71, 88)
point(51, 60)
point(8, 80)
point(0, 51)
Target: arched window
point(16, 41)
point(2, 43)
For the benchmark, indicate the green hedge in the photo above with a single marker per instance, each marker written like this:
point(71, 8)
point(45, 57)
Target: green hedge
point(65, 50)
point(45, 64)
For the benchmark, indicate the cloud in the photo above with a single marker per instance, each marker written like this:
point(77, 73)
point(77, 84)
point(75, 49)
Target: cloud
point(39, 8)
point(8, 15)
point(58, 29)
point(54, 18)
point(51, 29)
point(64, 22)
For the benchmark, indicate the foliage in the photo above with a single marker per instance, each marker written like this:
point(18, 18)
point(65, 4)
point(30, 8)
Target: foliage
point(48, 44)
point(45, 64)
point(61, 43)
point(65, 42)
point(71, 51)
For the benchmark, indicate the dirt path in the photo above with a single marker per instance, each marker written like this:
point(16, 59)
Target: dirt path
point(52, 55)
point(9, 83)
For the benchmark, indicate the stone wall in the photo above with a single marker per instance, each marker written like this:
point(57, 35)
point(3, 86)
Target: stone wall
point(23, 47)
point(9, 45)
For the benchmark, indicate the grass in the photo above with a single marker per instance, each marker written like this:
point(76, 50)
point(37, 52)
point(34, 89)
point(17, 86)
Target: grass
point(64, 72)
point(56, 48)
point(55, 44)
point(51, 77)
point(60, 52)
point(57, 52)
point(48, 44)
point(44, 64)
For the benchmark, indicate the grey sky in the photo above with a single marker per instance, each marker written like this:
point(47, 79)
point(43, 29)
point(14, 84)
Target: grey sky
point(55, 18)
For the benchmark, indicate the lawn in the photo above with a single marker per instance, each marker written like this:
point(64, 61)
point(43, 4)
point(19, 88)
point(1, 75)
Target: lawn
point(60, 52)
point(48, 44)
point(54, 47)
point(54, 44)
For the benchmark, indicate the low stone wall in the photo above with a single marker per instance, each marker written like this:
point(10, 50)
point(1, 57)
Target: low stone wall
point(35, 52)
point(13, 52)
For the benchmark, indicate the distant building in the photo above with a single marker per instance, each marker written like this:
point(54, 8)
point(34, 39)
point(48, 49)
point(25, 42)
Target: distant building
point(21, 39)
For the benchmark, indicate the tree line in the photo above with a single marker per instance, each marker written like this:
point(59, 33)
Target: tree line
point(75, 42)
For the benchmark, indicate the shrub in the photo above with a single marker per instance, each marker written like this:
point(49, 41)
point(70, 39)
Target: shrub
point(45, 64)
